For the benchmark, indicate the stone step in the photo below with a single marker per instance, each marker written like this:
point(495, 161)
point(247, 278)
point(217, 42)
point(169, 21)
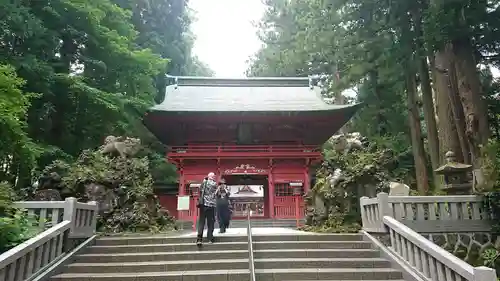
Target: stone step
point(157, 266)
point(270, 263)
point(222, 246)
point(352, 280)
point(283, 274)
point(316, 253)
point(161, 256)
point(312, 245)
point(287, 224)
point(143, 240)
point(241, 275)
point(167, 248)
point(197, 275)
point(310, 237)
point(242, 223)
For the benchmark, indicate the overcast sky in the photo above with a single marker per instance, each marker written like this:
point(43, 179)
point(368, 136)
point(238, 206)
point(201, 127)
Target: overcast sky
point(226, 36)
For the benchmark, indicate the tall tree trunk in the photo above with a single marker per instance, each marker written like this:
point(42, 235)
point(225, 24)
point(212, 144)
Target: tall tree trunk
point(429, 114)
point(427, 100)
point(474, 108)
point(340, 100)
point(416, 135)
point(60, 100)
point(447, 132)
point(375, 88)
point(419, 156)
point(446, 66)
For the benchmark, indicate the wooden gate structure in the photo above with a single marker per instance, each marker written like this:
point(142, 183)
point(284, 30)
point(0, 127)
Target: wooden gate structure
point(251, 131)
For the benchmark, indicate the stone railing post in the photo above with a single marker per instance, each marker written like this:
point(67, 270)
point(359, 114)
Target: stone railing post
point(383, 209)
point(94, 217)
point(70, 212)
point(483, 273)
point(364, 218)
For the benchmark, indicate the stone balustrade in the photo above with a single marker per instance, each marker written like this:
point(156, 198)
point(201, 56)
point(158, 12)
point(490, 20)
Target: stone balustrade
point(426, 214)
point(59, 221)
point(403, 218)
point(429, 260)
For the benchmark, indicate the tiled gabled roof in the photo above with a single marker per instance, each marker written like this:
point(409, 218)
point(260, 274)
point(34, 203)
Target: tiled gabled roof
point(201, 94)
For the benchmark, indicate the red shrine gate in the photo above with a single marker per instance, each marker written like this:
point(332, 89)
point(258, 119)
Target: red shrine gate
point(281, 171)
point(260, 131)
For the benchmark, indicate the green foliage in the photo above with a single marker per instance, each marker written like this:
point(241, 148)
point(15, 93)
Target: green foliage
point(335, 223)
point(15, 227)
point(491, 192)
point(491, 167)
point(93, 166)
point(7, 197)
point(127, 178)
point(14, 105)
point(364, 171)
point(490, 258)
point(96, 66)
point(371, 47)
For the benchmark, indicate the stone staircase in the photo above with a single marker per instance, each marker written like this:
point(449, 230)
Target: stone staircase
point(276, 257)
point(240, 223)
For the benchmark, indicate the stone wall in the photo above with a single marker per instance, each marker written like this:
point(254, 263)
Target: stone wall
point(466, 246)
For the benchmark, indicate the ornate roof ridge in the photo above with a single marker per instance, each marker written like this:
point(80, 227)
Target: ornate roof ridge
point(308, 81)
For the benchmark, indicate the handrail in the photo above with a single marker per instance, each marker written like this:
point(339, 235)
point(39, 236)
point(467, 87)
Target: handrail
point(27, 260)
point(251, 264)
point(83, 216)
point(66, 220)
point(430, 260)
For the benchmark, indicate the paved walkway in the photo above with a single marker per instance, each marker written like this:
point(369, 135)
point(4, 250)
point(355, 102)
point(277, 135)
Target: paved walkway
point(255, 231)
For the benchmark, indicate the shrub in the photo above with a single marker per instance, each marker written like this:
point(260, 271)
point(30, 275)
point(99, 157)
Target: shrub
point(15, 227)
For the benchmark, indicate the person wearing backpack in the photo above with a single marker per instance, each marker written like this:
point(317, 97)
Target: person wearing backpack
point(206, 204)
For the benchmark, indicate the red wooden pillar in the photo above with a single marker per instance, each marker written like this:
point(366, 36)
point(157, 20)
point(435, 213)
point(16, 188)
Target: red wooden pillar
point(181, 182)
point(181, 214)
point(307, 181)
point(196, 194)
point(270, 184)
point(297, 209)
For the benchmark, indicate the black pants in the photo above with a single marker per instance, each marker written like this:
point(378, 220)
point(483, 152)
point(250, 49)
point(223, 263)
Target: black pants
point(223, 216)
point(206, 214)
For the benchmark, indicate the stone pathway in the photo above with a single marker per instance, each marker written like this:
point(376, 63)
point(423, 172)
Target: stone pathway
point(255, 231)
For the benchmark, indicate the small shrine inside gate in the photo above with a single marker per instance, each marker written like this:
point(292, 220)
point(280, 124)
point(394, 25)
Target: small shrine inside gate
point(262, 135)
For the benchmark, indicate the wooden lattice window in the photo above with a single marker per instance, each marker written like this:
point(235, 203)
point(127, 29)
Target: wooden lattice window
point(187, 189)
point(283, 189)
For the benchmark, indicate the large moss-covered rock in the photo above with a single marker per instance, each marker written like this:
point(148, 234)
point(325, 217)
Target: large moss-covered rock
point(352, 168)
point(118, 181)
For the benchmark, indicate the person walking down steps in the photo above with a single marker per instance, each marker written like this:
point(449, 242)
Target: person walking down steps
point(206, 204)
point(223, 212)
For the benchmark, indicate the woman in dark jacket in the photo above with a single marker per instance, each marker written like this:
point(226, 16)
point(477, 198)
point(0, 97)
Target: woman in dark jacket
point(223, 211)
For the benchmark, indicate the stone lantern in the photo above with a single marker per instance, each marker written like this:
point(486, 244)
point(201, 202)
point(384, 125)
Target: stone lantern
point(457, 179)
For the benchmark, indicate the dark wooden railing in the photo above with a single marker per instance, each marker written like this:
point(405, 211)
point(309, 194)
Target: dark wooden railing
point(228, 150)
